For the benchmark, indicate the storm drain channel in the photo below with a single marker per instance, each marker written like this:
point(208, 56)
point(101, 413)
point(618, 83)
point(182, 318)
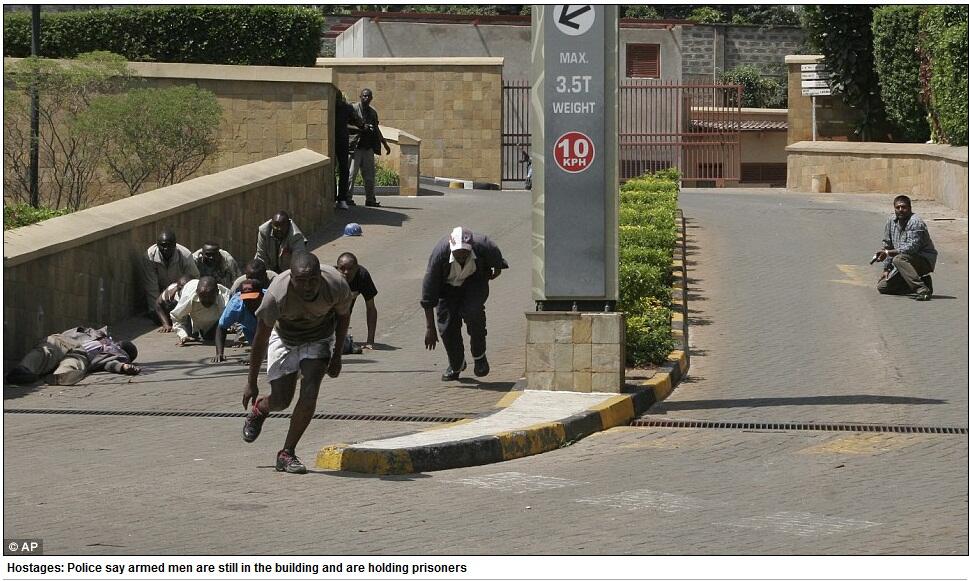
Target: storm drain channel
point(786, 427)
point(211, 414)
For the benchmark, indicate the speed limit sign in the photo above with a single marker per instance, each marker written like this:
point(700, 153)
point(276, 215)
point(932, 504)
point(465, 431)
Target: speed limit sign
point(574, 152)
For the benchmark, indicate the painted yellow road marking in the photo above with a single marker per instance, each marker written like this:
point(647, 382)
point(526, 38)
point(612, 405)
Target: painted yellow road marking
point(855, 275)
point(869, 444)
point(509, 398)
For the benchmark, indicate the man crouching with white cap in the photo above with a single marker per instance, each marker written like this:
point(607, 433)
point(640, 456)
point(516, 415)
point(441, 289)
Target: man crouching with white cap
point(456, 282)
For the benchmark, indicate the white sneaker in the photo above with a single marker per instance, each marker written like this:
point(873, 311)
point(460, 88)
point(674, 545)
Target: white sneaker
point(341, 205)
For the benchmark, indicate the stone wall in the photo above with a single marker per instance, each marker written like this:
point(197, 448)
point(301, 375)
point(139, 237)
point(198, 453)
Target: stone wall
point(923, 172)
point(84, 268)
point(266, 111)
point(572, 351)
point(710, 50)
point(452, 104)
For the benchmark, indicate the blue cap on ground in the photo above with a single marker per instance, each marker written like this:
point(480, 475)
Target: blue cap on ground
point(353, 229)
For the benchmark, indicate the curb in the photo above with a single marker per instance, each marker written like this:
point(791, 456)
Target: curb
point(459, 183)
point(537, 438)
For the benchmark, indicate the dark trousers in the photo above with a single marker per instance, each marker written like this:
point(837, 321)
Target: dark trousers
point(457, 305)
point(343, 175)
point(911, 268)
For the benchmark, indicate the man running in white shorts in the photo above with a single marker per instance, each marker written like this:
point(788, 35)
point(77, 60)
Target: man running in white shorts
point(305, 312)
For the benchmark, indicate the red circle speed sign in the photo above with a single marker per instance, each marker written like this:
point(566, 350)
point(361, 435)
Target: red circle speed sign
point(574, 152)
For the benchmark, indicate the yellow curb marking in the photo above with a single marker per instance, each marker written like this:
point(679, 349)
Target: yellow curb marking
point(377, 461)
point(615, 411)
point(330, 457)
point(532, 440)
point(679, 357)
point(868, 444)
point(855, 275)
point(508, 399)
point(661, 385)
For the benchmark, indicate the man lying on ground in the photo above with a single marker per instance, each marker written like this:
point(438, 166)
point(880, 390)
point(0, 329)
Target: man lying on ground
point(66, 358)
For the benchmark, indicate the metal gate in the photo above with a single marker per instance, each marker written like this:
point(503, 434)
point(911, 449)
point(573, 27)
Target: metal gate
point(694, 128)
point(515, 134)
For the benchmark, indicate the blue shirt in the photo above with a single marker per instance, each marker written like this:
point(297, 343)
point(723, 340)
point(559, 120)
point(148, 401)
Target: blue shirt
point(236, 312)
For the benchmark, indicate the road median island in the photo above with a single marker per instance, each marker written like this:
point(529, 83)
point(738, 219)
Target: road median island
point(537, 421)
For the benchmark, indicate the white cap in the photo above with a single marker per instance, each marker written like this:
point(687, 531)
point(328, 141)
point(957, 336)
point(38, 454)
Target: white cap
point(460, 239)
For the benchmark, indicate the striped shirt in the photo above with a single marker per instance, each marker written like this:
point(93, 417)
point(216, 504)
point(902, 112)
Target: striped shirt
point(911, 239)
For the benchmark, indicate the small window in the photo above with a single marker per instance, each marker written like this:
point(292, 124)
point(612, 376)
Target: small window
point(642, 61)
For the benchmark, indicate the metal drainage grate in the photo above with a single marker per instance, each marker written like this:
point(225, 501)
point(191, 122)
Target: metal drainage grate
point(211, 414)
point(649, 423)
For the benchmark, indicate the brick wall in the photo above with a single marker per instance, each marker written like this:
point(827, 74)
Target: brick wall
point(452, 105)
point(54, 271)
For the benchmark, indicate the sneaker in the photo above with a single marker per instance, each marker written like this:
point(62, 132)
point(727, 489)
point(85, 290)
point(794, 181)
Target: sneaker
point(288, 462)
point(927, 279)
point(451, 374)
point(481, 367)
point(350, 202)
point(927, 296)
point(341, 205)
point(372, 204)
point(253, 425)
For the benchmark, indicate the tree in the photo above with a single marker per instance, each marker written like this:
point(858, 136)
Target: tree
point(69, 154)
point(759, 91)
point(705, 15)
point(843, 35)
point(155, 135)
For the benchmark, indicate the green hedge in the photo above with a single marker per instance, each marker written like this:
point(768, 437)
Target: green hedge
point(234, 35)
point(647, 236)
point(943, 39)
point(895, 39)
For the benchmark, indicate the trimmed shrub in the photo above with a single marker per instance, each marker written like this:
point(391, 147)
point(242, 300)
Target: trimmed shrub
point(649, 334)
point(234, 35)
point(638, 280)
point(641, 255)
point(895, 38)
point(943, 39)
point(647, 235)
